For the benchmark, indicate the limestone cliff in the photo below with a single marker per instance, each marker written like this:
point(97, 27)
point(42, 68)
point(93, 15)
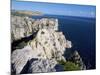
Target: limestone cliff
point(47, 46)
point(42, 45)
point(24, 26)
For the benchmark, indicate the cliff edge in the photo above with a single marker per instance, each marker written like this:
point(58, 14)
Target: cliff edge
point(37, 45)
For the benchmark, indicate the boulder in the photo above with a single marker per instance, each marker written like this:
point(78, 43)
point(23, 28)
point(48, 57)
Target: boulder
point(42, 65)
point(20, 57)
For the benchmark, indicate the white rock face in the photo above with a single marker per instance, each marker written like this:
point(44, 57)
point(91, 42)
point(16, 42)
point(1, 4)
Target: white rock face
point(48, 45)
point(20, 57)
point(24, 26)
point(26, 57)
point(42, 65)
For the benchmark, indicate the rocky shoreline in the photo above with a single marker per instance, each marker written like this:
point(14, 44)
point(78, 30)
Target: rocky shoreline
point(37, 46)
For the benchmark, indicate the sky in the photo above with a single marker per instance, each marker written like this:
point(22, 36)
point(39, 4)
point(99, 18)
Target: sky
point(56, 9)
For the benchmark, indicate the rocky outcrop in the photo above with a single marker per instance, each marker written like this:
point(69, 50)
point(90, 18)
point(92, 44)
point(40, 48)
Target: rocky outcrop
point(42, 65)
point(49, 44)
point(77, 60)
point(41, 53)
point(20, 57)
point(41, 46)
point(26, 61)
point(46, 46)
point(24, 26)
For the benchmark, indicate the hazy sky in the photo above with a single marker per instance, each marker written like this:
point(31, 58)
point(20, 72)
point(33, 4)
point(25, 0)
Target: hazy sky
point(55, 9)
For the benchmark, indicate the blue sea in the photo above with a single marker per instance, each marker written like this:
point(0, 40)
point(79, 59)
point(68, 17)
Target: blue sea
point(82, 32)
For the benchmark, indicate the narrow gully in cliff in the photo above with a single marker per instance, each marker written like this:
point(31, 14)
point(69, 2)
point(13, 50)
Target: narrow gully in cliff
point(18, 44)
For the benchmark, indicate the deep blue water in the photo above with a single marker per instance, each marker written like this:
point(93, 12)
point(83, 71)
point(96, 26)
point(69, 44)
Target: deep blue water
point(81, 31)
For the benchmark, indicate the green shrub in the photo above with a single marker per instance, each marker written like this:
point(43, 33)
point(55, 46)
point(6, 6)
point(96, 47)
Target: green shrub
point(69, 66)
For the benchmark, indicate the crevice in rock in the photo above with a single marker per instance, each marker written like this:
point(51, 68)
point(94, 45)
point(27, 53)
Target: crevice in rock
point(19, 44)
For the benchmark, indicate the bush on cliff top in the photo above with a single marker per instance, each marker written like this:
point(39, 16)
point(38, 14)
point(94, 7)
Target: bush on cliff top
point(69, 66)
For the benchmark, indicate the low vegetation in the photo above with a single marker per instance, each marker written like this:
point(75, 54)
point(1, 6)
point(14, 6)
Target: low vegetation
point(69, 66)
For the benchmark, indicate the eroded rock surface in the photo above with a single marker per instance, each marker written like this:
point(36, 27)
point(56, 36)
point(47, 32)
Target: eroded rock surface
point(20, 57)
point(24, 26)
point(42, 65)
point(47, 46)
